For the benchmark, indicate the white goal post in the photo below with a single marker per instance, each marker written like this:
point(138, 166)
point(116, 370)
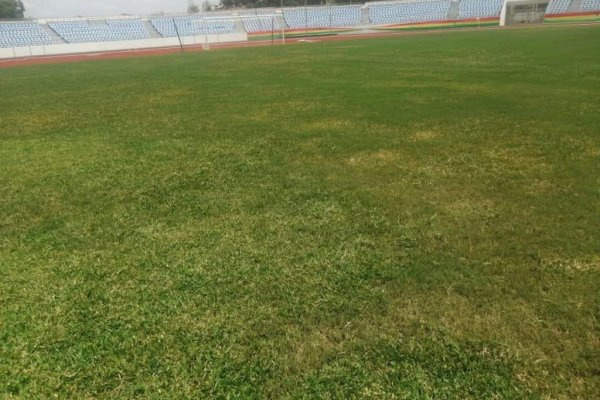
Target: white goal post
point(523, 12)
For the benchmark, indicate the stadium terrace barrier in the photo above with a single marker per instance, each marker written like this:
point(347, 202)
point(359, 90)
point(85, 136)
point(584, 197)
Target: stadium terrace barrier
point(98, 47)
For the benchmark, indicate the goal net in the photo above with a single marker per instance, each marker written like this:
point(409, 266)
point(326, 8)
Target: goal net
point(516, 12)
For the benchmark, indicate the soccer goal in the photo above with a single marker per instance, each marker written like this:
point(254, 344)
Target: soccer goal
point(516, 12)
point(208, 29)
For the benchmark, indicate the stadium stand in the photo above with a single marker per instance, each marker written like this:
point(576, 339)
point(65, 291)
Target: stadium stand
point(407, 12)
point(17, 34)
point(558, 6)
point(100, 30)
point(191, 26)
point(322, 17)
point(590, 5)
point(23, 34)
point(479, 8)
point(346, 15)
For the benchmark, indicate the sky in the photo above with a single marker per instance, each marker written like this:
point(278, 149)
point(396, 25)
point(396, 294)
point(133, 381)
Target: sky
point(88, 8)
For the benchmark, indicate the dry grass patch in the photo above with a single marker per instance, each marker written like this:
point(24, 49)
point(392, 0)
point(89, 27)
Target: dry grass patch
point(590, 264)
point(164, 97)
point(424, 136)
point(518, 160)
point(329, 124)
point(379, 158)
point(470, 207)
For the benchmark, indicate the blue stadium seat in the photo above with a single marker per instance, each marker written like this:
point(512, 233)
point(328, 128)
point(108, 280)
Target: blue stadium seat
point(557, 6)
point(101, 30)
point(590, 5)
point(20, 34)
point(322, 17)
point(409, 12)
point(479, 8)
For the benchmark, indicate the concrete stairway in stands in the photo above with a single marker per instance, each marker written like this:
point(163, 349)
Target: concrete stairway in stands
point(56, 38)
point(453, 11)
point(151, 30)
point(239, 26)
point(364, 18)
point(574, 6)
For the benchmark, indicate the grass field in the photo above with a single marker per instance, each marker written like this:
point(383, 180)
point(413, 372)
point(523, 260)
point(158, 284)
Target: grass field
point(413, 217)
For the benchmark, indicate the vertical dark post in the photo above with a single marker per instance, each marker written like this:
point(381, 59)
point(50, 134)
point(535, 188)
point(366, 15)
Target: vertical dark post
point(178, 36)
point(305, 18)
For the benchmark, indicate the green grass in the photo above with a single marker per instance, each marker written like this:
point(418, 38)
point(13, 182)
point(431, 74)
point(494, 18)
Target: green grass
point(406, 218)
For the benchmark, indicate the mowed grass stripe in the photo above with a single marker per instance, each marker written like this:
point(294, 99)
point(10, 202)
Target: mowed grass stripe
point(409, 217)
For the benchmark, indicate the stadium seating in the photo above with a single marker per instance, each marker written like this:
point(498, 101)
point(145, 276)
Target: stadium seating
point(407, 12)
point(557, 6)
point(191, 26)
point(18, 34)
point(100, 31)
point(590, 5)
point(322, 17)
point(22, 34)
point(345, 15)
point(479, 8)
